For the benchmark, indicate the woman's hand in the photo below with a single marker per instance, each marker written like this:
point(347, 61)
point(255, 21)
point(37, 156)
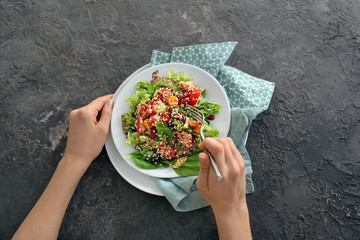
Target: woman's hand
point(231, 190)
point(88, 129)
point(227, 197)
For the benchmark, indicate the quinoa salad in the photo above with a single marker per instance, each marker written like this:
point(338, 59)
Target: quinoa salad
point(161, 129)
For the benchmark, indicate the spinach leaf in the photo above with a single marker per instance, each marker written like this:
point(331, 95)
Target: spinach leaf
point(162, 128)
point(140, 160)
point(192, 166)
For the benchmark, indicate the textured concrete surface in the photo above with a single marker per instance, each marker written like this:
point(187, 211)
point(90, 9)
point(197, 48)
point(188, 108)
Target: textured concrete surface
point(58, 55)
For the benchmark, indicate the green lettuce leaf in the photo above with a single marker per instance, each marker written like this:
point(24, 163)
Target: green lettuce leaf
point(208, 108)
point(133, 138)
point(178, 77)
point(128, 120)
point(144, 85)
point(209, 131)
point(204, 93)
point(140, 96)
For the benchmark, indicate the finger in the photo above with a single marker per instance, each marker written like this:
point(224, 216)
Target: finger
point(233, 148)
point(202, 145)
point(216, 149)
point(202, 182)
point(105, 117)
point(99, 102)
point(233, 168)
point(235, 151)
point(227, 150)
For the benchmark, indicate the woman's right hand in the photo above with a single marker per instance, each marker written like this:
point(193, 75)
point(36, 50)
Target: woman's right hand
point(227, 197)
point(231, 189)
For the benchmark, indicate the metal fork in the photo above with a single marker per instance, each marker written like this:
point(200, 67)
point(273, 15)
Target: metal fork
point(199, 116)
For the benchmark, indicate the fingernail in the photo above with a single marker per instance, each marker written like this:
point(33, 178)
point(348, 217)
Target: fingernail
point(201, 157)
point(110, 103)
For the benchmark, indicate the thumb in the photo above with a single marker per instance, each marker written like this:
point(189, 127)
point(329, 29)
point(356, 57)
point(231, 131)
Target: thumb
point(202, 182)
point(106, 114)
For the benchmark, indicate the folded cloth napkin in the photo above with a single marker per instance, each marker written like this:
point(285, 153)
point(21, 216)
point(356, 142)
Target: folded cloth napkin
point(248, 96)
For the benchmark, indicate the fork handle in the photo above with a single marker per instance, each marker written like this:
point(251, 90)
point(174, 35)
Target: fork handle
point(213, 163)
point(215, 167)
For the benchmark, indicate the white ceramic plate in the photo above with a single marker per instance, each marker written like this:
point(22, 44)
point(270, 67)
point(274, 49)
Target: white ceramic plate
point(141, 181)
point(203, 79)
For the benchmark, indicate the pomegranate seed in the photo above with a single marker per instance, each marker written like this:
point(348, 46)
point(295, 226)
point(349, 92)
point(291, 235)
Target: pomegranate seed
point(175, 138)
point(170, 110)
point(211, 117)
point(185, 100)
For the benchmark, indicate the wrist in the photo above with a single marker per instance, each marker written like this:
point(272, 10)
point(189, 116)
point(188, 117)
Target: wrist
point(233, 222)
point(73, 165)
point(234, 210)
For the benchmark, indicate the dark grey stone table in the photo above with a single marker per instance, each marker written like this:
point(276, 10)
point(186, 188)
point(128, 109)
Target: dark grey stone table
point(59, 55)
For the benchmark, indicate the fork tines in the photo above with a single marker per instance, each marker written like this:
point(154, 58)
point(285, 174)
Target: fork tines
point(195, 112)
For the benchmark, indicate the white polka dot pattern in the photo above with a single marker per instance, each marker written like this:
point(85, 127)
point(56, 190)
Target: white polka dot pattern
point(210, 57)
point(243, 90)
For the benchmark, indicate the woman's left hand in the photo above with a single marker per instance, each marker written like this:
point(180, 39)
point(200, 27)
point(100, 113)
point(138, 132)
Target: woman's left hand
point(88, 129)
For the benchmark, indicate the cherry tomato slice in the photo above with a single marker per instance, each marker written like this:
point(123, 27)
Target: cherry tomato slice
point(165, 94)
point(159, 117)
point(153, 105)
point(186, 139)
point(164, 117)
point(166, 152)
point(147, 123)
point(188, 86)
point(142, 111)
point(173, 101)
point(194, 96)
point(197, 128)
point(193, 123)
point(140, 125)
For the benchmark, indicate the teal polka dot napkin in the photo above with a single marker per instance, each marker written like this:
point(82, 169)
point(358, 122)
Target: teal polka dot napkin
point(248, 96)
